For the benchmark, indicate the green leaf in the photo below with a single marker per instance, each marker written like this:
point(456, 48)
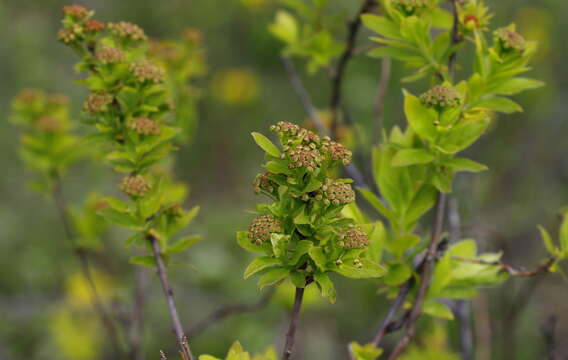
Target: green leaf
point(260, 264)
point(516, 85)
point(284, 27)
point(442, 182)
point(406, 157)
point(272, 276)
point(463, 164)
point(376, 203)
point(378, 238)
point(463, 135)
point(367, 352)
point(326, 286)
point(302, 248)
point(244, 241)
point(277, 168)
point(266, 144)
point(465, 249)
point(381, 25)
point(399, 245)
point(436, 309)
point(279, 244)
point(146, 260)
point(182, 244)
point(121, 218)
point(366, 269)
point(319, 257)
point(420, 118)
point(547, 240)
point(500, 104)
point(298, 278)
point(397, 274)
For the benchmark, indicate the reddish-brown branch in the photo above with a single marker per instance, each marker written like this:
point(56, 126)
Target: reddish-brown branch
point(294, 317)
point(169, 294)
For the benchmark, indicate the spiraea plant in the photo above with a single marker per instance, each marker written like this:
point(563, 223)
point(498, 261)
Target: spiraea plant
point(303, 233)
point(129, 106)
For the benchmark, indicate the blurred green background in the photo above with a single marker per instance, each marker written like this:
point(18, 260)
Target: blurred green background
point(44, 311)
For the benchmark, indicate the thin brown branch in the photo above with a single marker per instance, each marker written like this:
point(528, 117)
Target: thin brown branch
point(512, 270)
point(83, 258)
point(338, 75)
point(312, 112)
point(169, 294)
point(455, 39)
point(229, 310)
point(425, 278)
point(379, 105)
point(388, 324)
point(294, 317)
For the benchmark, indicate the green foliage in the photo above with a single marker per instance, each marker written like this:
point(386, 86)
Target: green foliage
point(47, 146)
point(236, 352)
point(309, 32)
point(303, 233)
point(366, 352)
point(130, 105)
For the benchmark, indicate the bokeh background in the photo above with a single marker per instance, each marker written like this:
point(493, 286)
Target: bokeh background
point(44, 306)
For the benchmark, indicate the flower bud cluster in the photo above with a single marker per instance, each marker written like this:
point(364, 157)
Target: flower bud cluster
point(508, 39)
point(336, 193)
point(145, 70)
point(145, 126)
point(127, 31)
point(337, 152)
point(134, 185)
point(262, 182)
point(110, 55)
point(353, 238)
point(441, 97)
point(284, 128)
point(260, 229)
point(97, 102)
point(304, 156)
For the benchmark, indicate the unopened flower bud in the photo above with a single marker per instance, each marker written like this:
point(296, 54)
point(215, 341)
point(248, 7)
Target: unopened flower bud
point(262, 182)
point(93, 25)
point(409, 7)
point(304, 156)
point(76, 11)
point(66, 36)
point(336, 193)
point(49, 124)
point(337, 152)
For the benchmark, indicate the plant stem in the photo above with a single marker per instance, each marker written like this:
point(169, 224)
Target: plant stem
point(169, 294)
point(337, 77)
point(84, 264)
point(294, 317)
point(425, 278)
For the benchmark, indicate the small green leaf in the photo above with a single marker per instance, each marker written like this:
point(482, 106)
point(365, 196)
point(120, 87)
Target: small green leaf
point(244, 241)
point(516, 85)
point(381, 25)
point(121, 218)
point(376, 203)
point(277, 168)
point(399, 245)
point(302, 248)
point(266, 144)
point(146, 260)
point(326, 286)
point(260, 264)
point(500, 104)
point(436, 309)
point(279, 244)
point(284, 27)
point(298, 278)
point(406, 157)
point(319, 257)
point(463, 135)
point(398, 273)
point(365, 269)
point(272, 276)
point(367, 352)
point(547, 240)
point(564, 234)
point(442, 182)
point(182, 244)
point(463, 164)
point(420, 118)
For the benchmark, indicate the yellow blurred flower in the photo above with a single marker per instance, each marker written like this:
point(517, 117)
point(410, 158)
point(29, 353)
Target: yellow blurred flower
point(79, 293)
point(235, 86)
point(77, 335)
